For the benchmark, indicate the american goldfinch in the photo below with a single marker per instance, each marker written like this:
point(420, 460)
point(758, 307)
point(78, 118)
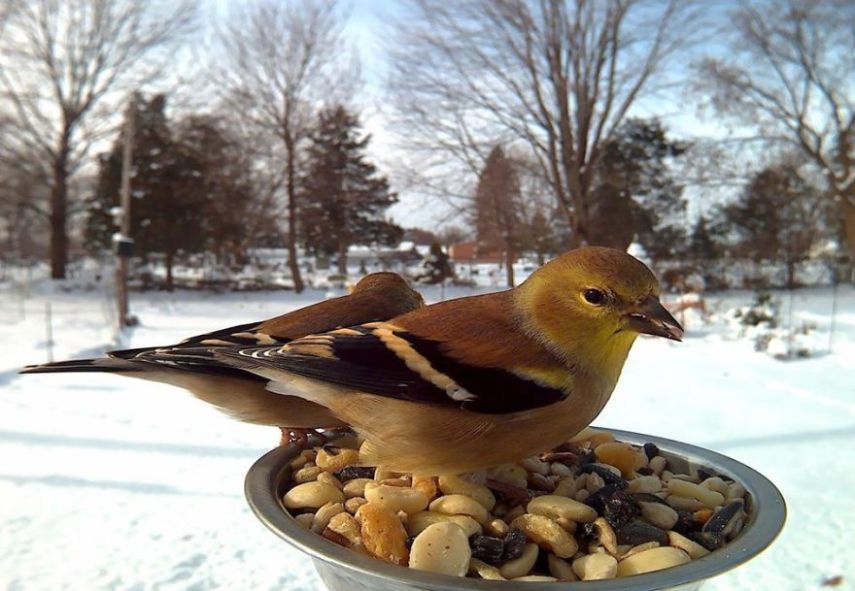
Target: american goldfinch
point(191, 364)
point(476, 381)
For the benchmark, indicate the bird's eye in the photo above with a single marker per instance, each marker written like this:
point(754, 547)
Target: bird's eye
point(594, 296)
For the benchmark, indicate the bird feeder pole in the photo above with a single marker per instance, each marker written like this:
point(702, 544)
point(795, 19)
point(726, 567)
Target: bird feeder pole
point(124, 243)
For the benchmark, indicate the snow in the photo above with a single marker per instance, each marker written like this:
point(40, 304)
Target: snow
point(109, 483)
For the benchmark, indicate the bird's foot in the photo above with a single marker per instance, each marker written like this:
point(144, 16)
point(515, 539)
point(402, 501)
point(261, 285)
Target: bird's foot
point(515, 494)
point(298, 438)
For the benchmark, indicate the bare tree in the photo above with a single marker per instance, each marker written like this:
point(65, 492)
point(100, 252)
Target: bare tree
point(556, 75)
point(789, 74)
point(280, 64)
point(62, 66)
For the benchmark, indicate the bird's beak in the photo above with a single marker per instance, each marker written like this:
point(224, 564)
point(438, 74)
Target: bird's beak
point(649, 316)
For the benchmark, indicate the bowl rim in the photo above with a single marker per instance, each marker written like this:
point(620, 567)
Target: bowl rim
point(765, 523)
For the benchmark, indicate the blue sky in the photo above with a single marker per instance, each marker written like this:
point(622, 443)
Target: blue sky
point(371, 24)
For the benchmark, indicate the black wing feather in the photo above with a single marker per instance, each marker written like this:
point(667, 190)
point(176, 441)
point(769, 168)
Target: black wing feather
point(364, 363)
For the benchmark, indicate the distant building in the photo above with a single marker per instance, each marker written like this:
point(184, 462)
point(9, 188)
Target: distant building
point(469, 253)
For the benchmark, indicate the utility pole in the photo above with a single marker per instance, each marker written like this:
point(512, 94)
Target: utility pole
point(122, 239)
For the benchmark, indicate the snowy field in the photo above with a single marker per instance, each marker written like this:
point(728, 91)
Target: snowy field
point(109, 483)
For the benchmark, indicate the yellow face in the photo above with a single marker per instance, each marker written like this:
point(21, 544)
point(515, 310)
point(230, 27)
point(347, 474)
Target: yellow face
point(592, 302)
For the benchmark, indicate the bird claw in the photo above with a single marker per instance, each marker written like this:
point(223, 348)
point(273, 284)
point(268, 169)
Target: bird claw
point(510, 492)
point(298, 438)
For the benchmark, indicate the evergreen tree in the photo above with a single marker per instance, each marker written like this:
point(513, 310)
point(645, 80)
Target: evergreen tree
point(343, 197)
point(702, 247)
point(497, 209)
point(230, 213)
point(166, 194)
point(543, 238)
point(635, 195)
point(780, 216)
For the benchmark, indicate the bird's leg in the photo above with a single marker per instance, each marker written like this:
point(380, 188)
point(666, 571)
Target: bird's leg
point(296, 437)
point(515, 494)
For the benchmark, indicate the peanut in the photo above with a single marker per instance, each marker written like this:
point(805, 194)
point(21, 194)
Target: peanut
point(692, 548)
point(554, 506)
point(441, 548)
point(683, 488)
point(417, 522)
point(356, 487)
point(485, 571)
point(312, 495)
point(395, 498)
point(306, 474)
point(324, 514)
point(383, 535)
point(547, 534)
point(561, 569)
point(651, 560)
point(461, 505)
point(452, 484)
point(520, 567)
point(345, 525)
point(662, 516)
point(335, 462)
point(594, 567)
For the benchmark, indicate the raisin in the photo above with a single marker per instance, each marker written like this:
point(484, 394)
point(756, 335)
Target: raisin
point(616, 505)
point(685, 523)
point(487, 548)
point(638, 532)
point(609, 477)
point(651, 450)
point(352, 472)
point(514, 543)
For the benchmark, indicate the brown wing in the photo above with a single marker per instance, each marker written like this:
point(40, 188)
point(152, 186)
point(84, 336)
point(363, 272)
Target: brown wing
point(383, 359)
point(384, 296)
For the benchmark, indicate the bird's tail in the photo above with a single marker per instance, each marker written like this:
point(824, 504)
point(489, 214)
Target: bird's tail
point(103, 364)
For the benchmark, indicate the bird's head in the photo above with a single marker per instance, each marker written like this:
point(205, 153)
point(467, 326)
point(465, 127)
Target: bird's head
point(391, 285)
point(592, 302)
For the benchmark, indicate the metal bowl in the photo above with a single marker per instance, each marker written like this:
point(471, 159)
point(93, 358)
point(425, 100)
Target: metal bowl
point(345, 570)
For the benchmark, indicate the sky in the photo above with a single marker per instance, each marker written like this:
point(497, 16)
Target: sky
point(371, 24)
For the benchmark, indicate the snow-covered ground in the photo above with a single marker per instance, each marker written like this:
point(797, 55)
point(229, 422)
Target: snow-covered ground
point(107, 483)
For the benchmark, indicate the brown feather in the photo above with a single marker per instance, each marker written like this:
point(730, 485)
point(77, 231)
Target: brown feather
point(476, 330)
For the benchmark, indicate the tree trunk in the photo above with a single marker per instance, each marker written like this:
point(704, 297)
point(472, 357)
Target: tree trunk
point(170, 260)
point(847, 211)
point(509, 263)
point(59, 210)
point(791, 273)
point(342, 257)
point(293, 263)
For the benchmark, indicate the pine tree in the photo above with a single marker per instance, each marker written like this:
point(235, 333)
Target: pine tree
point(166, 195)
point(702, 247)
point(542, 237)
point(230, 213)
point(636, 195)
point(343, 197)
point(780, 216)
point(497, 209)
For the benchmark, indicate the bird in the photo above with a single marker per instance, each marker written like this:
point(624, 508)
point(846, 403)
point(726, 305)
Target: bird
point(477, 381)
point(240, 394)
